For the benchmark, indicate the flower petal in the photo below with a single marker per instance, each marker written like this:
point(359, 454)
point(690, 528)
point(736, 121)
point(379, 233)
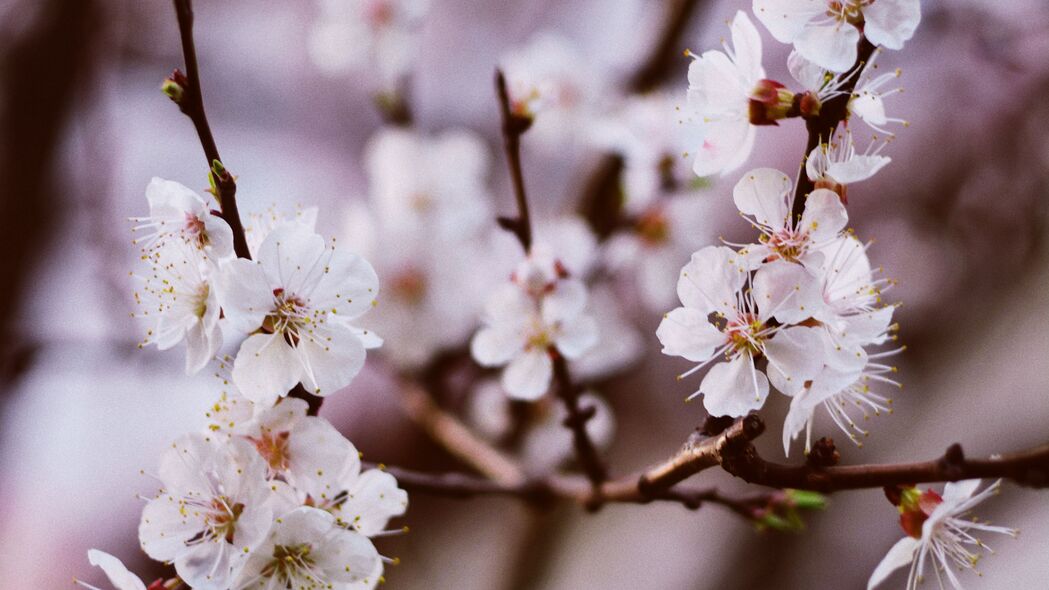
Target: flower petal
point(711, 279)
point(734, 388)
point(900, 555)
point(687, 333)
point(890, 23)
point(244, 293)
point(266, 368)
point(114, 569)
point(832, 47)
point(527, 377)
point(795, 356)
point(824, 216)
point(291, 255)
point(576, 336)
point(785, 19)
point(763, 194)
point(331, 357)
point(786, 291)
point(856, 168)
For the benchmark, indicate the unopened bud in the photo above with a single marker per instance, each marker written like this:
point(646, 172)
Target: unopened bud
point(807, 500)
point(769, 102)
point(172, 90)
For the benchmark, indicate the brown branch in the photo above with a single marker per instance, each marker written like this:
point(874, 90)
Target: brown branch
point(585, 451)
point(190, 100)
point(652, 71)
point(822, 126)
point(514, 126)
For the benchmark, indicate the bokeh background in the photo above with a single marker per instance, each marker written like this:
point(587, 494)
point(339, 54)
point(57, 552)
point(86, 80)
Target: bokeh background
point(959, 219)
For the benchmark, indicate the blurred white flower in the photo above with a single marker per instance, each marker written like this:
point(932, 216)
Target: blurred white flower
point(765, 197)
point(214, 508)
point(522, 331)
point(827, 31)
point(296, 301)
point(713, 283)
point(835, 164)
point(177, 213)
point(115, 570)
point(432, 186)
point(939, 530)
point(620, 344)
point(177, 297)
point(720, 88)
point(378, 36)
point(649, 253)
point(307, 549)
point(552, 82)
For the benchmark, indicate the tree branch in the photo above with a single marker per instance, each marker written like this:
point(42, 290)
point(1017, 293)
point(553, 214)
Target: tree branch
point(190, 100)
point(651, 72)
point(585, 451)
point(514, 126)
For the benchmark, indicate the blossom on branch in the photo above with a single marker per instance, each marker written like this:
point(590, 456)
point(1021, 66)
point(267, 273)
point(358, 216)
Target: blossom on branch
point(176, 213)
point(296, 302)
point(115, 571)
point(939, 531)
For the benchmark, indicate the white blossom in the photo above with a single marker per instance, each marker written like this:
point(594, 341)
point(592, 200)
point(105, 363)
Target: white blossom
point(213, 510)
point(939, 530)
point(259, 225)
point(177, 213)
point(721, 86)
point(177, 297)
point(713, 283)
point(827, 32)
point(307, 549)
point(296, 301)
point(836, 164)
point(115, 571)
point(379, 36)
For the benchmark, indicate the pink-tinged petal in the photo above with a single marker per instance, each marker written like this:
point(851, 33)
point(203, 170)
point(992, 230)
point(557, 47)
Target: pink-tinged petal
point(576, 336)
point(495, 346)
point(734, 388)
point(114, 569)
point(293, 258)
point(266, 368)
point(786, 291)
point(331, 356)
point(727, 143)
point(764, 194)
point(795, 356)
point(830, 46)
point(824, 216)
point(348, 286)
point(244, 293)
point(785, 19)
point(220, 237)
point(856, 168)
point(687, 333)
point(746, 45)
point(527, 377)
point(711, 279)
point(889, 23)
point(901, 554)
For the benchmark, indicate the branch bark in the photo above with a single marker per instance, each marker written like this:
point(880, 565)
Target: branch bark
point(514, 126)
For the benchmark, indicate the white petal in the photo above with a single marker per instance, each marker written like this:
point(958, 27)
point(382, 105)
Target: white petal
point(795, 356)
point(687, 333)
point(786, 291)
point(808, 74)
point(714, 86)
point(373, 501)
point(785, 19)
point(890, 23)
point(527, 377)
point(824, 216)
point(317, 453)
point(171, 200)
point(957, 491)
point(347, 557)
point(727, 143)
point(746, 45)
point(348, 286)
point(331, 357)
point(291, 256)
point(734, 388)
point(831, 46)
point(900, 555)
point(266, 368)
point(495, 346)
point(576, 336)
point(763, 194)
point(114, 569)
point(566, 302)
point(869, 107)
point(711, 279)
point(856, 168)
point(220, 237)
point(163, 530)
point(245, 294)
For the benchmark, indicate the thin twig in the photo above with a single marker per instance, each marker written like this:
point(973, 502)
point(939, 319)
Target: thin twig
point(585, 450)
point(513, 128)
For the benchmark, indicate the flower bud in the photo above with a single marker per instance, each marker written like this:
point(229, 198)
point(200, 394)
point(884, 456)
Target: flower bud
point(174, 86)
point(769, 102)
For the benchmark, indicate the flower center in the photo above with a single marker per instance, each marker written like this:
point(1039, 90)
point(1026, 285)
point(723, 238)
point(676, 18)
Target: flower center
point(195, 229)
point(201, 302)
point(653, 228)
point(378, 13)
point(287, 563)
point(222, 519)
point(849, 11)
point(290, 314)
point(915, 508)
point(539, 338)
point(409, 286)
point(744, 334)
point(788, 244)
point(274, 449)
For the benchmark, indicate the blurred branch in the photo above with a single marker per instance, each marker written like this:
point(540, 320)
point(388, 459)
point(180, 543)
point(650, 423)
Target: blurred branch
point(651, 72)
point(831, 114)
point(514, 126)
point(190, 100)
point(585, 451)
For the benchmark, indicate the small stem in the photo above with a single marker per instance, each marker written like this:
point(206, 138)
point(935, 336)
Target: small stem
point(585, 451)
point(514, 126)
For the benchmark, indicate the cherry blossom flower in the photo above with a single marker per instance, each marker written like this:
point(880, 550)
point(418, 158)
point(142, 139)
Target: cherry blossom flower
point(765, 197)
point(868, 98)
point(362, 501)
point(620, 346)
point(522, 331)
point(433, 185)
point(213, 510)
point(721, 87)
point(938, 530)
point(177, 297)
point(827, 32)
point(115, 571)
point(834, 165)
point(549, 80)
point(376, 35)
point(178, 213)
point(259, 225)
point(297, 301)
point(307, 549)
point(713, 282)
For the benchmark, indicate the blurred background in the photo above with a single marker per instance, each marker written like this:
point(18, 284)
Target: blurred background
point(958, 218)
